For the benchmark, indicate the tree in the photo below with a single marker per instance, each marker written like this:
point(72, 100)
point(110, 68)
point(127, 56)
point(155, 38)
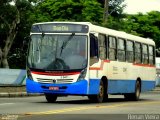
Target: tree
point(12, 12)
point(92, 11)
point(69, 10)
point(18, 51)
point(114, 14)
point(144, 25)
point(10, 18)
point(115, 7)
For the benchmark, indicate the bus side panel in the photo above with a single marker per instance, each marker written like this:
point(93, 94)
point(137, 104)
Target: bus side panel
point(122, 77)
point(147, 85)
point(121, 86)
point(128, 86)
point(94, 86)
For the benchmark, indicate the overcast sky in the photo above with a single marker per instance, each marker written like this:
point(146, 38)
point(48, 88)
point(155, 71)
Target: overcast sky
point(143, 6)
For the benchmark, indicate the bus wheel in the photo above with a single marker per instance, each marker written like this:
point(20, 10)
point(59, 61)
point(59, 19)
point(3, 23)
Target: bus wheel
point(100, 97)
point(105, 98)
point(51, 98)
point(136, 95)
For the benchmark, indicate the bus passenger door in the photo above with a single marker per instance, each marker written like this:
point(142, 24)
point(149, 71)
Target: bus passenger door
point(93, 49)
point(94, 64)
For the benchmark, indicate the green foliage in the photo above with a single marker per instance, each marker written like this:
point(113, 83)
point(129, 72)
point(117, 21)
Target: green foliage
point(20, 10)
point(68, 10)
point(17, 54)
point(144, 25)
point(115, 7)
point(7, 14)
point(92, 11)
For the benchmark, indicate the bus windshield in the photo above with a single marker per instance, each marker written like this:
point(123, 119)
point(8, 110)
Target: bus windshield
point(57, 52)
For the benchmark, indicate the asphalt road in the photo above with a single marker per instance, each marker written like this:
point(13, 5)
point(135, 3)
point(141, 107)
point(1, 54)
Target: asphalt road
point(80, 108)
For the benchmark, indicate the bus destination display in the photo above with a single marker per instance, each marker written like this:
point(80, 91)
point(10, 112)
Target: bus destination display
point(60, 28)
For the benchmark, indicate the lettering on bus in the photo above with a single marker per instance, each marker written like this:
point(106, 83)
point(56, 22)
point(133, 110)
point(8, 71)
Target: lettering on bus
point(60, 28)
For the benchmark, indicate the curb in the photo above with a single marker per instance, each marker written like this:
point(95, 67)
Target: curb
point(156, 89)
point(25, 94)
point(19, 94)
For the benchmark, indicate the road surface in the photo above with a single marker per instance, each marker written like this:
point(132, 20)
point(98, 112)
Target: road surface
point(77, 108)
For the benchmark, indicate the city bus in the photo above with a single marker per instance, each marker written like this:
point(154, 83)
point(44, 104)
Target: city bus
point(79, 58)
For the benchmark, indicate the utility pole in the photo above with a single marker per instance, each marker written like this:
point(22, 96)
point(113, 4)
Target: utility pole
point(105, 13)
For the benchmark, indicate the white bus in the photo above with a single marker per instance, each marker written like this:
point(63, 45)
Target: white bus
point(79, 58)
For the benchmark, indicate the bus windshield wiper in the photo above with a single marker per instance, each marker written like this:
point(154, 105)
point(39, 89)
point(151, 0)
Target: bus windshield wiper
point(40, 44)
point(66, 42)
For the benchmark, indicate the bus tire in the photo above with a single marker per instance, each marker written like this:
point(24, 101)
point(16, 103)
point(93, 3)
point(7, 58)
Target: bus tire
point(105, 98)
point(136, 95)
point(99, 98)
point(51, 98)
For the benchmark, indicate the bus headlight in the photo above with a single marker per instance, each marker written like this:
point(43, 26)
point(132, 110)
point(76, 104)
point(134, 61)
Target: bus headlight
point(82, 75)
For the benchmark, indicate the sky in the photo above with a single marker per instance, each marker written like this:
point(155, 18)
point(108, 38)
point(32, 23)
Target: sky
point(143, 6)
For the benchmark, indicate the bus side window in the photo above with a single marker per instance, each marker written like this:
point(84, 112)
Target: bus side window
point(151, 55)
point(93, 49)
point(102, 46)
point(112, 48)
point(130, 51)
point(145, 54)
point(138, 53)
point(121, 54)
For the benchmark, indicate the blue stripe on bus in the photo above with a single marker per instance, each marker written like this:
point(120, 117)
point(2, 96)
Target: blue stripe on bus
point(94, 86)
point(128, 86)
point(78, 88)
point(148, 85)
point(120, 86)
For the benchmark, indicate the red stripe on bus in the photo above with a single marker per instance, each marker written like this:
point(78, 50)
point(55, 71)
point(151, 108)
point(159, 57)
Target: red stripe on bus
point(55, 74)
point(143, 65)
point(94, 68)
point(108, 61)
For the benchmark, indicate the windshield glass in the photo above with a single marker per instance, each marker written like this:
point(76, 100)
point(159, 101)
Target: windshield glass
point(58, 52)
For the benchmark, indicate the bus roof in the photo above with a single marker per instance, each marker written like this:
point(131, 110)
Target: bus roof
point(121, 34)
point(97, 29)
point(85, 23)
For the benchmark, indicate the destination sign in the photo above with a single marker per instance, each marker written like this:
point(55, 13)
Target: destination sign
point(60, 28)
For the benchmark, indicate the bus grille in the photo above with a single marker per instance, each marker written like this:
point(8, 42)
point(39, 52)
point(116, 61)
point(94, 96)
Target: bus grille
point(55, 81)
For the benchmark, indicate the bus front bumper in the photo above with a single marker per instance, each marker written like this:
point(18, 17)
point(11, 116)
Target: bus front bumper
point(77, 88)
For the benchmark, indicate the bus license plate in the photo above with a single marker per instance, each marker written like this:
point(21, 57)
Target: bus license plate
point(53, 88)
